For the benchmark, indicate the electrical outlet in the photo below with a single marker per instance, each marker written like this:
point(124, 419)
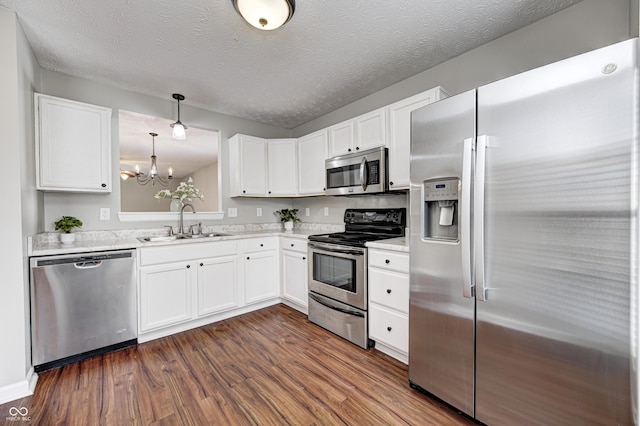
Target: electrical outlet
point(326, 211)
point(105, 213)
point(307, 212)
point(259, 211)
point(232, 212)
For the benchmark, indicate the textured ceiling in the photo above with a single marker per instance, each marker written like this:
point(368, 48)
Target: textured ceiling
point(331, 53)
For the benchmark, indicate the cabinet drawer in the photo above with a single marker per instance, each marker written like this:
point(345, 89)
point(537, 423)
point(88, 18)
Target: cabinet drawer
point(185, 252)
point(395, 261)
point(260, 244)
point(389, 288)
point(294, 244)
point(389, 327)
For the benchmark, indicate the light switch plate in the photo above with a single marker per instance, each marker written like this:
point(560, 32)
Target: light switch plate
point(232, 212)
point(307, 212)
point(326, 211)
point(105, 213)
point(259, 211)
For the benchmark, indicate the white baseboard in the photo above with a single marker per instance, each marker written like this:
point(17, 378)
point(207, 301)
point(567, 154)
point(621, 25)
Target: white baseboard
point(20, 389)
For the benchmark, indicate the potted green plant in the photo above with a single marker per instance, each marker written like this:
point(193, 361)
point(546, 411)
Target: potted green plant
point(288, 216)
point(66, 225)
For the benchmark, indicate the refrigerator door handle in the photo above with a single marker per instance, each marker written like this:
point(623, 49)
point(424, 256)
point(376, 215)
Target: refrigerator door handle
point(478, 216)
point(465, 218)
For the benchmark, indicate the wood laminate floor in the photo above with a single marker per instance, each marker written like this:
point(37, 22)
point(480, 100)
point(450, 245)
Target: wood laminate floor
point(268, 367)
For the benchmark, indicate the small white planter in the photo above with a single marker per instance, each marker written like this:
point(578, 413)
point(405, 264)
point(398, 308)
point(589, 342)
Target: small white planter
point(67, 238)
point(288, 226)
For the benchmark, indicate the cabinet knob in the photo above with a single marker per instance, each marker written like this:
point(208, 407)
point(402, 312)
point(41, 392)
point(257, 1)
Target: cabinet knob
point(248, 257)
point(357, 148)
point(269, 192)
point(261, 245)
point(349, 150)
point(324, 189)
point(388, 291)
point(391, 183)
point(387, 261)
point(244, 192)
point(292, 245)
point(202, 264)
point(304, 258)
point(388, 328)
point(104, 185)
point(188, 266)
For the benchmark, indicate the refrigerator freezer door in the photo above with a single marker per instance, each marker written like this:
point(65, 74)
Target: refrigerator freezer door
point(553, 336)
point(441, 340)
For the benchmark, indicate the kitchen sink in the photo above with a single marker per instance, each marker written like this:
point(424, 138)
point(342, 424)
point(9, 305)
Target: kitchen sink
point(181, 237)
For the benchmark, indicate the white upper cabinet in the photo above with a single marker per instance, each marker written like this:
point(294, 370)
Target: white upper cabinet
point(312, 151)
point(342, 137)
point(73, 146)
point(247, 166)
point(282, 171)
point(364, 132)
point(400, 134)
point(371, 130)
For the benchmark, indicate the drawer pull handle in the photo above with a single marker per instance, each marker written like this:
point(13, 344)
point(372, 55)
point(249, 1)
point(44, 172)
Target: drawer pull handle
point(388, 328)
point(388, 291)
point(387, 261)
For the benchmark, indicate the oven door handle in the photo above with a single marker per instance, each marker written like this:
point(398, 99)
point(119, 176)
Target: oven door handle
point(329, 249)
point(336, 308)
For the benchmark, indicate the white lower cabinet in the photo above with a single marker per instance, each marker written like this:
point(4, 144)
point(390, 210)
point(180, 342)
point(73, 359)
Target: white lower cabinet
point(294, 269)
point(389, 302)
point(217, 284)
point(165, 295)
point(260, 269)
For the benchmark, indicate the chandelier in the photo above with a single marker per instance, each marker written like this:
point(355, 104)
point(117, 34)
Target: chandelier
point(153, 175)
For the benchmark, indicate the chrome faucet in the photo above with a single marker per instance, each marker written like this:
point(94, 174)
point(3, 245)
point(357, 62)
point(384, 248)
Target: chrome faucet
point(180, 227)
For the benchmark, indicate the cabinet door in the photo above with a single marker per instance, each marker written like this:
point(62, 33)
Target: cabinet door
point(312, 151)
point(294, 277)
point(400, 134)
point(260, 276)
point(342, 138)
point(73, 146)
point(371, 130)
point(165, 295)
point(217, 284)
point(247, 166)
point(282, 173)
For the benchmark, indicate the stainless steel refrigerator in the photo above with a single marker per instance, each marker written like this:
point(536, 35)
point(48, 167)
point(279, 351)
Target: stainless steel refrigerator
point(524, 248)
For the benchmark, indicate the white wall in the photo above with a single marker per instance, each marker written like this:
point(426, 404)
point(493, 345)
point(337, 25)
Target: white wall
point(19, 74)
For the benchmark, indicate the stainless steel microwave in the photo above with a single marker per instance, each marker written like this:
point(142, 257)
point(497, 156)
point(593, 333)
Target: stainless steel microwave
point(364, 172)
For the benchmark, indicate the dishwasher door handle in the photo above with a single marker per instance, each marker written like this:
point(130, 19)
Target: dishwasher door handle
point(88, 265)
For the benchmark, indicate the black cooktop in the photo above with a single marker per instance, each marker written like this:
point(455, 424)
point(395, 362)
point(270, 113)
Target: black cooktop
point(362, 225)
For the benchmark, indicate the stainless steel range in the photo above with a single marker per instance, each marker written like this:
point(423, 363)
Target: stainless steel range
point(338, 271)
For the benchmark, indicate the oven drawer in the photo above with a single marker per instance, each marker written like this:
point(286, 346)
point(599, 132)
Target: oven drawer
point(395, 261)
point(389, 327)
point(346, 321)
point(390, 289)
point(294, 244)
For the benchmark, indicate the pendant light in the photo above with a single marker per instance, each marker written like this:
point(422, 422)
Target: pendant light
point(153, 175)
point(179, 129)
point(265, 14)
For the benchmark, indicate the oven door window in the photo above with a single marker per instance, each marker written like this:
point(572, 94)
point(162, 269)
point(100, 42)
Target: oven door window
point(335, 271)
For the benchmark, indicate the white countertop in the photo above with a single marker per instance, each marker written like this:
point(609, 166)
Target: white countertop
point(47, 244)
point(396, 244)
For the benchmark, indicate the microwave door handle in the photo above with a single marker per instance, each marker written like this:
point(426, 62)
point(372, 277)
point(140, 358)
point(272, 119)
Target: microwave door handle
point(363, 173)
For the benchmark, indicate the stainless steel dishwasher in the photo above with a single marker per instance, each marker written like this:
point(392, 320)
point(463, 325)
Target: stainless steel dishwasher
point(81, 305)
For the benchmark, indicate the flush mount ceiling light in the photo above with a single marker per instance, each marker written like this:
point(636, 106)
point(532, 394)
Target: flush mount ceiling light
point(265, 14)
point(179, 129)
point(153, 175)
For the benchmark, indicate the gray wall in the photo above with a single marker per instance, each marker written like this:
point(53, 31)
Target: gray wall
point(19, 74)
point(586, 26)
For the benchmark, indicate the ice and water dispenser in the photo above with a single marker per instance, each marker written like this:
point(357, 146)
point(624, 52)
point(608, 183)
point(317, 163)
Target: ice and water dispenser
point(440, 210)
